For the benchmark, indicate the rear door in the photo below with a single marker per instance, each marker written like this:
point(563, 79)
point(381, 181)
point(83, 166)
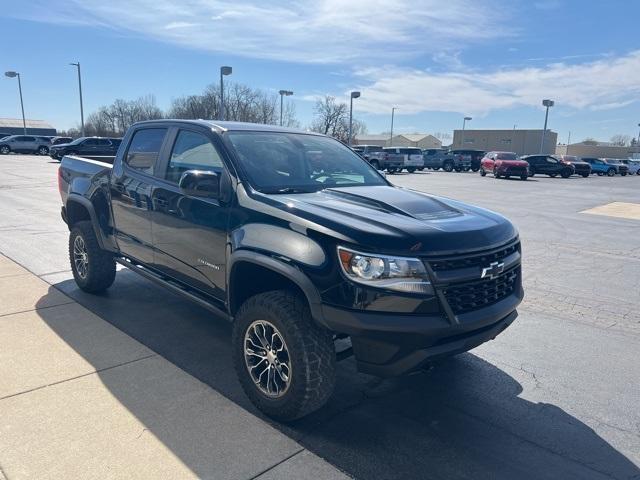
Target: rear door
point(190, 232)
point(131, 188)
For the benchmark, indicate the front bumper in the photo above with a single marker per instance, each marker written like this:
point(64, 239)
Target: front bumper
point(512, 170)
point(393, 344)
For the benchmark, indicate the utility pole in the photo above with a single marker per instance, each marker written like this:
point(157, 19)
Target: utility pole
point(77, 64)
point(393, 112)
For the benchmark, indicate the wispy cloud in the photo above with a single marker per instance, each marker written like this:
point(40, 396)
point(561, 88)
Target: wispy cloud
point(304, 31)
point(599, 85)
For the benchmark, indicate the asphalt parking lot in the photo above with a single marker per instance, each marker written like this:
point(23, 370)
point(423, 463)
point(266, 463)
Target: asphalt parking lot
point(555, 396)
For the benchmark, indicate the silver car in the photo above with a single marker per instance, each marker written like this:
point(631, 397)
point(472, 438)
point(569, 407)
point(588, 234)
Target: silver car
point(25, 144)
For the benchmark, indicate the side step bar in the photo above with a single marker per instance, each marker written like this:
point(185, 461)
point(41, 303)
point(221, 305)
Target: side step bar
point(173, 286)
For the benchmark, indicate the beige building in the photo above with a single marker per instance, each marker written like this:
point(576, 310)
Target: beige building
point(594, 149)
point(419, 140)
point(522, 142)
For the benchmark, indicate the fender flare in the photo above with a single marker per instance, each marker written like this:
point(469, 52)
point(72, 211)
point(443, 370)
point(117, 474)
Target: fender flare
point(286, 270)
point(86, 203)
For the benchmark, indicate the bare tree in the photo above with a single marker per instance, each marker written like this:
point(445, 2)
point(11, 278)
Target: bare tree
point(620, 140)
point(115, 119)
point(332, 118)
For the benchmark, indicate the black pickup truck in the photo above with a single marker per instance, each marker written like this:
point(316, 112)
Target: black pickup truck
point(301, 244)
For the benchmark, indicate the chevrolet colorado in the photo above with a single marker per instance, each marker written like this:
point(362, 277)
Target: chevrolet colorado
point(301, 244)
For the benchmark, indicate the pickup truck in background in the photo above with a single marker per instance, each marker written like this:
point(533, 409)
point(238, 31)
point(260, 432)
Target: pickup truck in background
point(407, 157)
point(298, 242)
point(453, 160)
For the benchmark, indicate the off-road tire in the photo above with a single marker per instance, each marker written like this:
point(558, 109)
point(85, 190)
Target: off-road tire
point(101, 268)
point(311, 353)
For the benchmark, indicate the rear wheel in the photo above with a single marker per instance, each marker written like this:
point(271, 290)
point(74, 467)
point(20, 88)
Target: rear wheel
point(43, 150)
point(496, 174)
point(524, 177)
point(411, 169)
point(600, 174)
point(566, 173)
point(438, 168)
point(420, 169)
point(5, 150)
point(532, 171)
point(448, 166)
point(624, 174)
point(391, 170)
point(94, 269)
point(585, 175)
point(611, 172)
point(553, 175)
point(285, 362)
point(482, 172)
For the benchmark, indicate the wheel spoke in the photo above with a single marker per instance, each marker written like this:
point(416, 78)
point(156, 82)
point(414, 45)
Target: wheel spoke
point(267, 358)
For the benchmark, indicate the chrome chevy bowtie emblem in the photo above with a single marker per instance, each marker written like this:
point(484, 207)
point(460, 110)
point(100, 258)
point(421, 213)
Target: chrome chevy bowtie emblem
point(493, 270)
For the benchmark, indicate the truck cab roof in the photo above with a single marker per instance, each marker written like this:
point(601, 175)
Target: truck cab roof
point(224, 126)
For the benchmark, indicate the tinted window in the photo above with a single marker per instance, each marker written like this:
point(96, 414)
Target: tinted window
point(192, 151)
point(103, 142)
point(411, 151)
point(145, 148)
point(506, 156)
point(374, 149)
point(292, 162)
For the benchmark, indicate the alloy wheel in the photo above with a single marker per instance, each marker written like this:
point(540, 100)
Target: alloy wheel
point(267, 358)
point(80, 257)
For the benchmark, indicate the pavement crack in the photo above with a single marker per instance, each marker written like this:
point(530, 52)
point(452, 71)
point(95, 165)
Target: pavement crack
point(276, 464)
point(78, 376)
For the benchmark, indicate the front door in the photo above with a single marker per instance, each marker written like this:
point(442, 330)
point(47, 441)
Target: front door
point(189, 232)
point(131, 188)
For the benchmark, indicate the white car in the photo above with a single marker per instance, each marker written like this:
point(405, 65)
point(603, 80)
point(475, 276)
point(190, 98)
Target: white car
point(633, 164)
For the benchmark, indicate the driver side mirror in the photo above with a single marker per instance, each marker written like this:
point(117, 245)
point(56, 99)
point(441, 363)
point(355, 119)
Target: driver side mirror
point(200, 183)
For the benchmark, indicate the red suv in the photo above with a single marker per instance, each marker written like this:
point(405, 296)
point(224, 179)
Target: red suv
point(504, 164)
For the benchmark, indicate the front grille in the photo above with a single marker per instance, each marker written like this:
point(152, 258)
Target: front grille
point(477, 260)
point(466, 297)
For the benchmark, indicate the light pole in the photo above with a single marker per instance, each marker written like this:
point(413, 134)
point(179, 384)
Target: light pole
point(568, 142)
point(77, 64)
point(638, 143)
point(283, 93)
point(353, 95)
point(545, 103)
point(223, 71)
point(393, 113)
point(464, 123)
point(11, 74)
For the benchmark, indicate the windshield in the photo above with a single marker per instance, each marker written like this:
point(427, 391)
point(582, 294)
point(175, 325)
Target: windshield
point(506, 156)
point(276, 162)
point(78, 140)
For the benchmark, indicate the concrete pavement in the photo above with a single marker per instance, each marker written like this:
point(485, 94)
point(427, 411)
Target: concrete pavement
point(81, 399)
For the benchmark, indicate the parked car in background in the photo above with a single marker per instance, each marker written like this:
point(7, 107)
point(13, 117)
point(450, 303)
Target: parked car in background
point(24, 144)
point(87, 147)
point(374, 154)
point(410, 157)
point(434, 157)
point(633, 165)
point(474, 157)
point(61, 140)
point(504, 164)
point(600, 167)
point(4, 135)
point(548, 165)
point(621, 168)
point(581, 167)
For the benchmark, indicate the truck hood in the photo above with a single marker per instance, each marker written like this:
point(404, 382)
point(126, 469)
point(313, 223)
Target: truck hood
point(395, 220)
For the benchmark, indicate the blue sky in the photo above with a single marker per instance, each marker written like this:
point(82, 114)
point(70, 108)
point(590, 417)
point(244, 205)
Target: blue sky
point(494, 60)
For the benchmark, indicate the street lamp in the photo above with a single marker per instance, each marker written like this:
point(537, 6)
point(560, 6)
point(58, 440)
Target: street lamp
point(11, 74)
point(223, 71)
point(638, 143)
point(464, 123)
point(77, 64)
point(353, 95)
point(393, 114)
point(283, 93)
point(546, 103)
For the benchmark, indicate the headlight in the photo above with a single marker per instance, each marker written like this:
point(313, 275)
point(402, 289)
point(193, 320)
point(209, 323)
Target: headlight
point(403, 274)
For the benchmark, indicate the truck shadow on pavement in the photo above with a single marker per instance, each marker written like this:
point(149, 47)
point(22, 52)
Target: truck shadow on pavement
point(462, 419)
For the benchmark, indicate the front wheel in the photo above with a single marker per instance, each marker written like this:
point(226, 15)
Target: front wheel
point(532, 172)
point(284, 360)
point(553, 175)
point(611, 172)
point(435, 169)
point(524, 177)
point(566, 173)
point(496, 174)
point(43, 150)
point(448, 167)
point(94, 269)
point(411, 169)
point(482, 172)
point(585, 175)
point(624, 174)
point(5, 150)
point(600, 174)
point(391, 170)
